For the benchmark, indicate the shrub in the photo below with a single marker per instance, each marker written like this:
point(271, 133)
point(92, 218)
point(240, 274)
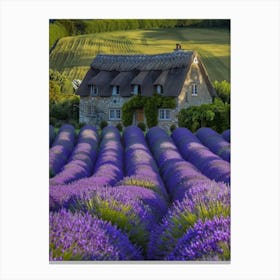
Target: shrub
point(103, 124)
point(52, 121)
point(74, 123)
point(172, 127)
point(58, 123)
point(215, 116)
point(80, 125)
point(142, 126)
point(119, 127)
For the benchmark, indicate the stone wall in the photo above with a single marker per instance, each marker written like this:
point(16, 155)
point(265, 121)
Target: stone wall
point(186, 99)
point(165, 124)
point(93, 110)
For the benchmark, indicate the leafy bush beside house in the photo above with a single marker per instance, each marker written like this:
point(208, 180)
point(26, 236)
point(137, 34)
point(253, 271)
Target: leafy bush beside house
point(215, 116)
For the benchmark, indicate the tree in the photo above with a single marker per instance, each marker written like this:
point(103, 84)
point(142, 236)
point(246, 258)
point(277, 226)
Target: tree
point(223, 90)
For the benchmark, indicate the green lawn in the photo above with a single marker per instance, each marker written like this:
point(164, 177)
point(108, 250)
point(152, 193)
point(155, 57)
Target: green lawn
point(73, 55)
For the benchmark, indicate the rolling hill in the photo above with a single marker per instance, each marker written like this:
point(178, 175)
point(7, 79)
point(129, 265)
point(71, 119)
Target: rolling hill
point(73, 55)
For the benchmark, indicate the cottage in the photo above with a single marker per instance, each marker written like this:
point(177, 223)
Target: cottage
point(112, 80)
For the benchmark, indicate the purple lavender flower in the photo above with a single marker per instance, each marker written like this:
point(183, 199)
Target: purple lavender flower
point(77, 236)
point(226, 135)
point(141, 168)
point(207, 241)
point(176, 172)
point(51, 135)
point(82, 160)
point(195, 152)
point(215, 142)
point(108, 169)
point(133, 209)
point(109, 163)
point(61, 148)
point(200, 202)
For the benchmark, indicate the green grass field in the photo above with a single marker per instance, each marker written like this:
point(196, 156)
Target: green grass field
point(73, 55)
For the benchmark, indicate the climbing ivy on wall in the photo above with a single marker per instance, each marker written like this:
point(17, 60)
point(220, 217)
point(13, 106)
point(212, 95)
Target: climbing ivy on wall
point(150, 106)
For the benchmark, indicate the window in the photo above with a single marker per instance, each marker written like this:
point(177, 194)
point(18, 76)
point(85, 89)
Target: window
point(195, 60)
point(116, 90)
point(164, 114)
point(116, 100)
point(93, 90)
point(115, 114)
point(136, 89)
point(159, 89)
point(194, 89)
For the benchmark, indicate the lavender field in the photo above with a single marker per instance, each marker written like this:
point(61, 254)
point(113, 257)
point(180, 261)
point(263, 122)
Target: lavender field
point(129, 196)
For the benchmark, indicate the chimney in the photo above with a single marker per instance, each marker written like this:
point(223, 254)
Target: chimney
point(178, 47)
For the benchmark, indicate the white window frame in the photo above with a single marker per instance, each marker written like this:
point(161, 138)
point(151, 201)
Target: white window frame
point(194, 89)
point(136, 89)
point(93, 90)
point(113, 114)
point(159, 89)
point(116, 90)
point(164, 114)
point(195, 60)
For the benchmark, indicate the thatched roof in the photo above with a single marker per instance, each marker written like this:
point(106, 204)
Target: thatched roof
point(161, 78)
point(172, 81)
point(139, 79)
point(123, 78)
point(83, 90)
point(168, 70)
point(108, 62)
point(102, 78)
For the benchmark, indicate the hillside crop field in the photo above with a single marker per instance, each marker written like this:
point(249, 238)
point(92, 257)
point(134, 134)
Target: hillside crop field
point(130, 196)
point(73, 55)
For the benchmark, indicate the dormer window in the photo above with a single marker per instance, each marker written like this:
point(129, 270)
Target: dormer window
point(116, 90)
point(93, 90)
point(136, 89)
point(159, 89)
point(194, 89)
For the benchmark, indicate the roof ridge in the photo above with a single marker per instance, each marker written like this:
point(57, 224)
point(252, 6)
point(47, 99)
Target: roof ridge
point(146, 55)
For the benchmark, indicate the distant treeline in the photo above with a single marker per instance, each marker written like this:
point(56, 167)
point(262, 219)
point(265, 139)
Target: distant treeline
point(61, 27)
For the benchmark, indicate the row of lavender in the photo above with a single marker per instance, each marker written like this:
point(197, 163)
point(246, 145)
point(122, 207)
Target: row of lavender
point(107, 217)
point(197, 225)
point(63, 144)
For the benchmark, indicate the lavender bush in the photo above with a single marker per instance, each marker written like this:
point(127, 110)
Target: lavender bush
point(215, 142)
point(176, 172)
point(108, 169)
point(226, 135)
point(82, 160)
point(206, 241)
point(203, 202)
point(141, 168)
point(77, 236)
point(195, 152)
point(133, 209)
point(61, 148)
point(51, 135)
